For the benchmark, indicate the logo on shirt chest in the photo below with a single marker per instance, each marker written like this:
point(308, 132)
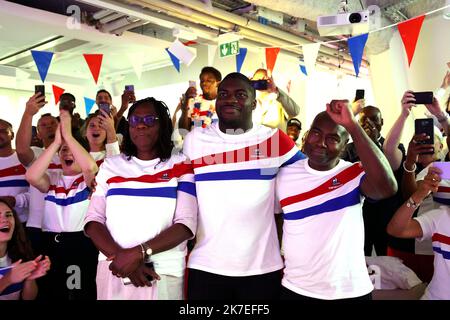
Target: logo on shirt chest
point(258, 154)
point(335, 183)
point(165, 177)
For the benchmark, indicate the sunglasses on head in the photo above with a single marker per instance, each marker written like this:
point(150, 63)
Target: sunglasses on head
point(149, 121)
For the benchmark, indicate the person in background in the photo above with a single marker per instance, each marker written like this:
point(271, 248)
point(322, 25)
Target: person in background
point(274, 106)
point(293, 129)
point(376, 213)
point(67, 102)
point(35, 140)
point(323, 232)
point(66, 205)
point(120, 123)
point(13, 185)
point(77, 122)
point(147, 176)
point(101, 136)
point(416, 255)
point(433, 225)
point(200, 110)
point(18, 269)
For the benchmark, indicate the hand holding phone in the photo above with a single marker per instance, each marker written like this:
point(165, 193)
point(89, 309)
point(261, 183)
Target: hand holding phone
point(425, 126)
point(425, 97)
point(128, 95)
point(40, 89)
point(359, 94)
point(105, 107)
point(260, 84)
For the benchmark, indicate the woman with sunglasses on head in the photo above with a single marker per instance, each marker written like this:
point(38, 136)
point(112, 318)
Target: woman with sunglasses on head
point(143, 210)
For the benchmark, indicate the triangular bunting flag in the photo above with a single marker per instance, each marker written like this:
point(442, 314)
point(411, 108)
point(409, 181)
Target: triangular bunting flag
point(409, 31)
point(189, 43)
point(212, 50)
point(271, 58)
point(240, 57)
point(57, 92)
point(182, 52)
point(137, 62)
point(310, 52)
point(42, 60)
point(356, 47)
point(303, 69)
point(94, 62)
point(88, 104)
point(175, 60)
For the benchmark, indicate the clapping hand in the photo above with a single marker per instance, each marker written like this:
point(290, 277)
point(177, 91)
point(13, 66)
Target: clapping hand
point(43, 265)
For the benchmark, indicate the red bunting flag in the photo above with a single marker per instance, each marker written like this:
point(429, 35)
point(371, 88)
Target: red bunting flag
point(94, 62)
point(409, 31)
point(57, 92)
point(271, 58)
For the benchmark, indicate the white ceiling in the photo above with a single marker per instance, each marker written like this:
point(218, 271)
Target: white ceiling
point(68, 64)
point(36, 27)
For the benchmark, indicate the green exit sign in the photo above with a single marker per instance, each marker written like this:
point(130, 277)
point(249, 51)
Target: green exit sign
point(229, 49)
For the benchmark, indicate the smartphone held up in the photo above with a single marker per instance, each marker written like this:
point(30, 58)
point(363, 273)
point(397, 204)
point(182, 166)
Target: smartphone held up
point(260, 84)
point(425, 126)
point(40, 89)
point(105, 107)
point(425, 97)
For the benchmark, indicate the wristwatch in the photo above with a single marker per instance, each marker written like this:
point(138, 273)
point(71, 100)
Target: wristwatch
point(147, 251)
point(412, 204)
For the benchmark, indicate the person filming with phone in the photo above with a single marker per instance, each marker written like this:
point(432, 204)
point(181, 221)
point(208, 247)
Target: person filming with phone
point(274, 106)
point(200, 110)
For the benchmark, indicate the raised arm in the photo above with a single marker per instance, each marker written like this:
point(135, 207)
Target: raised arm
point(441, 115)
point(127, 98)
point(402, 224)
point(380, 181)
point(415, 147)
point(289, 105)
point(36, 175)
point(107, 123)
point(82, 157)
point(24, 134)
point(185, 121)
point(390, 146)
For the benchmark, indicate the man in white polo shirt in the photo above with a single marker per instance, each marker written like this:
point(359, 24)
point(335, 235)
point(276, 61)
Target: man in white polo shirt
point(323, 231)
point(237, 254)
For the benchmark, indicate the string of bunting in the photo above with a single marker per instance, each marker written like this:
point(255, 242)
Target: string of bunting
point(179, 52)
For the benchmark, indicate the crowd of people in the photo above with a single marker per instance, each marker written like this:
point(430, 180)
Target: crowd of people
point(113, 207)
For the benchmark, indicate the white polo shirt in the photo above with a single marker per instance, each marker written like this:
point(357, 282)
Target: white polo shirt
point(323, 231)
point(235, 183)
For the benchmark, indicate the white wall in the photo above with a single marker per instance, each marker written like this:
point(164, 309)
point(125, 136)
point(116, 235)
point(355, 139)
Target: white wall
point(391, 76)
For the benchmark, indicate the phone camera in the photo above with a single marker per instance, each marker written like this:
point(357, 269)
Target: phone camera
point(355, 17)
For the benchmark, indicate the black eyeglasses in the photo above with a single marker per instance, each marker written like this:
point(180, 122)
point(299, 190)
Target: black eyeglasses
point(149, 121)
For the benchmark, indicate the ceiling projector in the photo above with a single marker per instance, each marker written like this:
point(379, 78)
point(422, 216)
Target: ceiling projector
point(345, 23)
